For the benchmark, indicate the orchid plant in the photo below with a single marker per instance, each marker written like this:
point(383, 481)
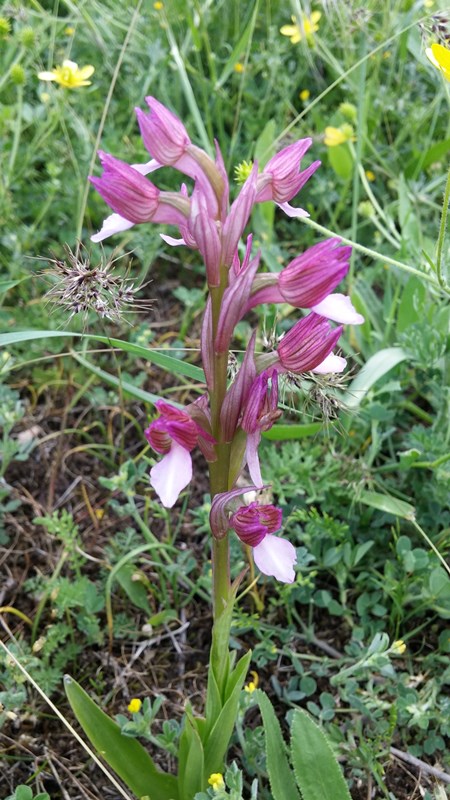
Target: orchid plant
point(226, 422)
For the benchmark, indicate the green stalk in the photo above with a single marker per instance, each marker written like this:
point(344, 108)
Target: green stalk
point(425, 276)
point(442, 227)
point(17, 132)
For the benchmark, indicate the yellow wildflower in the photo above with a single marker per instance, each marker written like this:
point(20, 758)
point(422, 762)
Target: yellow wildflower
point(239, 67)
point(252, 685)
point(69, 31)
point(304, 95)
point(335, 136)
point(69, 75)
point(158, 6)
point(398, 647)
point(440, 58)
point(308, 26)
point(135, 705)
point(370, 175)
point(216, 781)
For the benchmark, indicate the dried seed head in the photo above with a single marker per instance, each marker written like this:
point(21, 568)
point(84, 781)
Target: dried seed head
point(319, 394)
point(81, 287)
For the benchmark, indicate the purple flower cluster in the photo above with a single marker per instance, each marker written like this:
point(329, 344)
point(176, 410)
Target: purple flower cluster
point(207, 221)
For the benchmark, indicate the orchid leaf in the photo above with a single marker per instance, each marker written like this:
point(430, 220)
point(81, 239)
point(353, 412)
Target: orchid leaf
point(218, 738)
point(190, 758)
point(126, 756)
point(281, 777)
point(316, 769)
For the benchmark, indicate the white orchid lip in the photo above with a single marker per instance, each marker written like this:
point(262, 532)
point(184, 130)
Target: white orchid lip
point(172, 474)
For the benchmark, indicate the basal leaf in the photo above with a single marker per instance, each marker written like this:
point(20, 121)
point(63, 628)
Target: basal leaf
point(316, 770)
point(191, 777)
point(218, 739)
point(126, 756)
point(281, 777)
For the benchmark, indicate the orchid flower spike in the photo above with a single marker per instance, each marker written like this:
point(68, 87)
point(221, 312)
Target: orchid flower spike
point(174, 434)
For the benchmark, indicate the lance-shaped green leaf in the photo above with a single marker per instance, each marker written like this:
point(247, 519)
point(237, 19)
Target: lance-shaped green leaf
point(191, 764)
point(389, 504)
point(218, 738)
point(126, 756)
point(282, 782)
point(317, 772)
point(376, 367)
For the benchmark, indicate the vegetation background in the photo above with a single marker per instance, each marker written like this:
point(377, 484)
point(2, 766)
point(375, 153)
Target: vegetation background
point(99, 580)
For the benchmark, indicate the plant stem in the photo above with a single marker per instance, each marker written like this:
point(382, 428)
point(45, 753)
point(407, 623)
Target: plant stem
point(372, 253)
point(441, 237)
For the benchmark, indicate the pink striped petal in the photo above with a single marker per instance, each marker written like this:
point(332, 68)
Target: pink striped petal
point(172, 474)
point(275, 556)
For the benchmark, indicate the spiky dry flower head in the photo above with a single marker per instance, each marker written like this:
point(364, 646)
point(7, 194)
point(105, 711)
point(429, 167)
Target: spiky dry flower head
point(81, 287)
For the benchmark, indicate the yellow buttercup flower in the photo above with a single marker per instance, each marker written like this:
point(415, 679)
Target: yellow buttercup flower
point(216, 781)
point(440, 58)
point(135, 705)
point(304, 95)
point(308, 26)
point(335, 136)
point(370, 175)
point(69, 75)
point(238, 67)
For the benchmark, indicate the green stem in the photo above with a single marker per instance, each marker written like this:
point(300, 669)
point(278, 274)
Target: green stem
point(17, 132)
point(441, 237)
point(372, 253)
